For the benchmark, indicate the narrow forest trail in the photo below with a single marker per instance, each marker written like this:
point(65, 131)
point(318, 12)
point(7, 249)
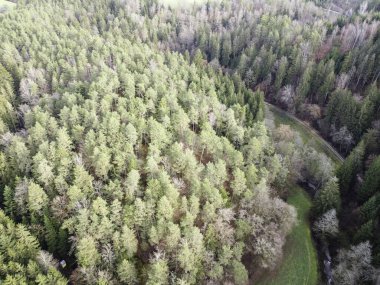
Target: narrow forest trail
point(299, 265)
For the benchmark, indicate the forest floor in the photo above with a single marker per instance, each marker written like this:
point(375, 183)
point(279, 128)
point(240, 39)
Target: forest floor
point(299, 265)
point(6, 4)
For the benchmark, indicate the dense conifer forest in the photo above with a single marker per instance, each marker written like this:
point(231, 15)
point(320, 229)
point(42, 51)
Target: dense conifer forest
point(133, 148)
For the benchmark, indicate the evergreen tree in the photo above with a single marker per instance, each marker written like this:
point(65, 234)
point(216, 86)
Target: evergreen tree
point(37, 197)
point(21, 258)
point(51, 236)
point(348, 170)
point(327, 198)
point(371, 183)
point(371, 208)
point(365, 232)
point(226, 51)
point(281, 73)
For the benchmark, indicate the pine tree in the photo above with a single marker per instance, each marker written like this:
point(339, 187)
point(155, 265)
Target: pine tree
point(37, 198)
point(198, 57)
point(51, 237)
point(327, 198)
point(158, 272)
point(226, 51)
point(127, 272)
point(350, 167)
point(304, 85)
point(214, 47)
point(87, 253)
point(239, 182)
point(7, 98)
point(371, 184)
point(365, 232)
point(347, 62)
point(63, 245)
point(8, 201)
point(239, 273)
point(344, 110)
point(371, 208)
point(326, 87)
point(281, 73)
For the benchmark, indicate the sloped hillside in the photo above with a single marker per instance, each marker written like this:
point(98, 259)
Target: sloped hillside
point(122, 160)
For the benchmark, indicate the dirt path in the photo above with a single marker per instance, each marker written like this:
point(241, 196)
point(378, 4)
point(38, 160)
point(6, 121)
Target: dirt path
point(315, 134)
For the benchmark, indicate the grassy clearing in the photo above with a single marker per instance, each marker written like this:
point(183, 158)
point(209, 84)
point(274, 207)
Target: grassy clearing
point(6, 5)
point(300, 262)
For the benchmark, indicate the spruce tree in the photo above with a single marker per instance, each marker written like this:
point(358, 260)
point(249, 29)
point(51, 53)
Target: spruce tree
point(371, 184)
point(51, 236)
point(349, 169)
point(327, 198)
